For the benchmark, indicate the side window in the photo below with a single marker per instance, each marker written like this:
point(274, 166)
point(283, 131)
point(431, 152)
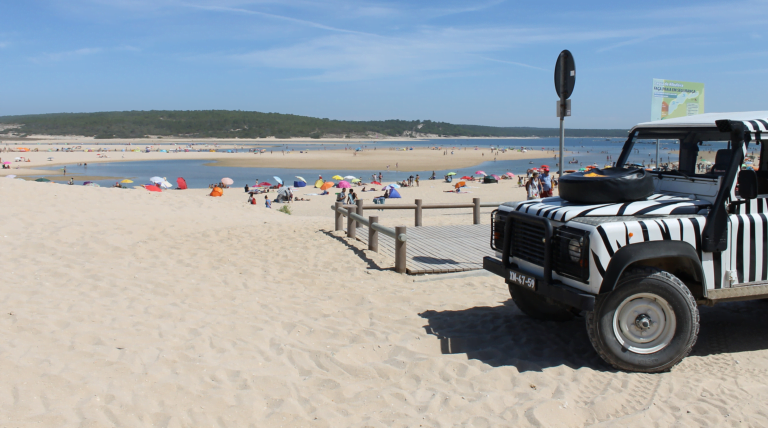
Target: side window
point(762, 169)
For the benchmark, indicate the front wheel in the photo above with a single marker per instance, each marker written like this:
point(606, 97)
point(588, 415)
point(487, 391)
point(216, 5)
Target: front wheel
point(540, 307)
point(648, 323)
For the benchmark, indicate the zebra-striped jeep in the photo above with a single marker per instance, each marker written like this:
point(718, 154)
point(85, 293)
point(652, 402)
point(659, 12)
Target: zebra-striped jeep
point(639, 269)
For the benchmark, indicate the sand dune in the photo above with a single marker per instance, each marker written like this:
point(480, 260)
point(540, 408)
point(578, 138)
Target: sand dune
point(130, 308)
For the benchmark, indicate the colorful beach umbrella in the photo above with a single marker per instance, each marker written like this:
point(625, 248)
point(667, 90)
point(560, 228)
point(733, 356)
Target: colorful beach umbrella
point(466, 177)
point(350, 177)
point(126, 181)
point(496, 176)
point(152, 188)
point(480, 172)
point(337, 177)
point(319, 183)
point(301, 178)
point(278, 179)
point(451, 173)
point(355, 180)
point(228, 181)
point(343, 185)
point(509, 174)
point(327, 185)
point(182, 183)
point(376, 182)
point(460, 184)
point(264, 184)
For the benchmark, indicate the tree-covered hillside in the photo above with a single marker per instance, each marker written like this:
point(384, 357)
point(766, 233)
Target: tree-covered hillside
point(249, 124)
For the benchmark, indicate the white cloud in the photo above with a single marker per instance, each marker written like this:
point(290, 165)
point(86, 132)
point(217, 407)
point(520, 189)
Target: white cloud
point(60, 56)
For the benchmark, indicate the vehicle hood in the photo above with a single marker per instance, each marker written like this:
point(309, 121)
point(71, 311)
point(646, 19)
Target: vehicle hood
point(559, 209)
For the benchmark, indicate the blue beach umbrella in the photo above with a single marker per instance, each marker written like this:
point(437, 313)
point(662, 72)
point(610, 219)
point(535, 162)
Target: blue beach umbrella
point(278, 179)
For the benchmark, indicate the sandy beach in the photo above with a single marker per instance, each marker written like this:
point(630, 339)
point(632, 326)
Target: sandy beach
point(175, 309)
point(321, 158)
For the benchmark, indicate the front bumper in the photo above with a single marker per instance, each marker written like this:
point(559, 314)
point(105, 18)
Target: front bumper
point(554, 290)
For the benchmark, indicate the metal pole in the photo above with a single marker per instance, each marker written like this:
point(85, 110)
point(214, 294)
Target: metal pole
point(399, 250)
point(562, 112)
point(476, 211)
point(373, 234)
point(359, 210)
point(418, 212)
point(657, 154)
point(339, 220)
point(350, 225)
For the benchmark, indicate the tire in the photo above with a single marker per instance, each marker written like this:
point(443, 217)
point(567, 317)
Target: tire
point(609, 185)
point(540, 307)
point(648, 323)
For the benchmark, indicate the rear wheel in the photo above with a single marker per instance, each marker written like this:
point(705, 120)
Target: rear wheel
point(648, 323)
point(540, 307)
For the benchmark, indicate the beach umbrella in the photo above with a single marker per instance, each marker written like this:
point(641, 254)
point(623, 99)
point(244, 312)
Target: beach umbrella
point(390, 187)
point(264, 184)
point(42, 180)
point(182, 183)
point(337, 177)
point(466, 177)
point(152, 188)
point(376, 182)
point(301, 178)
point(166, 185)
point(278, 179)
point(126, 181)
point(343, 185)
point(496, 176)
point(319, 183)
point(156, 179)
point(228, 181)
point(451, 173)
point(350, 177)
point(480, 172)
point(509, 174)
point(460, 184)
point(355, 180)
point(85, 183)
point(327, 185)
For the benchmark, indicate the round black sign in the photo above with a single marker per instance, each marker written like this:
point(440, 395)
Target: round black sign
point(565, 63)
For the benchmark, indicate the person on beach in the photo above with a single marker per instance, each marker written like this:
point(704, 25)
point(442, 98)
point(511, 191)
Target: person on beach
point(71, 181)
point(267, 202)
point(546, 183)
point(533, 186)
point(417, 180)
point(342, 197)
point(246, 188)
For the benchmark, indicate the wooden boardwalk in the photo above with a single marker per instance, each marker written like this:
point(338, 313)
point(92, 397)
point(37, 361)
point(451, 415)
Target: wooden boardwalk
point(439, 249)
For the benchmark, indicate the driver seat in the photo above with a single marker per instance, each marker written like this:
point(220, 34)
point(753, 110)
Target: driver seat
point(722, 162)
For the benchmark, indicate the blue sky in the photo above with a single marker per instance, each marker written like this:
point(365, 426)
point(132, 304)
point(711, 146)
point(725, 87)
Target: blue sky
point(475, 62)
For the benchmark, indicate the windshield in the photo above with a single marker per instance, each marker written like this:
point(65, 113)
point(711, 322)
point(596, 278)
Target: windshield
point(689, 157)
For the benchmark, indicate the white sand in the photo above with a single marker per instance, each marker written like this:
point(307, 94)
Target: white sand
point(130, 308)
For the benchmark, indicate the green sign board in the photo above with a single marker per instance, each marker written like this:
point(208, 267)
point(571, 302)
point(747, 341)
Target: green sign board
point(673, 98)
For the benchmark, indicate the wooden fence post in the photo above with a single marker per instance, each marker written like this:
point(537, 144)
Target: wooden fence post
point(373, 234)
point(359, 210)
point(339, 219)
point(418, 212)
point(399, 250)
point(351, 224)
point(476, 211)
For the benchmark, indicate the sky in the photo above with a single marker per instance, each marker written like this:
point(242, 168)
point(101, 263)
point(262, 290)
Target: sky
point(466, 62)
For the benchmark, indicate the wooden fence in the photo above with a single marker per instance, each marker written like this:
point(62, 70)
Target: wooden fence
point(355, 220)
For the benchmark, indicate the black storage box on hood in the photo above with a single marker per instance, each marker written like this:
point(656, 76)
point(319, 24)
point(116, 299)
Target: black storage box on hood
point(600, 186)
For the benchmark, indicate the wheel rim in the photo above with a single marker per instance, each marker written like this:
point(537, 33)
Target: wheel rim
point(644, 323)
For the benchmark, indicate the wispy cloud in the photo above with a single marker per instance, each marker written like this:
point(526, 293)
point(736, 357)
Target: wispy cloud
point(513, 63)
point(60, 56)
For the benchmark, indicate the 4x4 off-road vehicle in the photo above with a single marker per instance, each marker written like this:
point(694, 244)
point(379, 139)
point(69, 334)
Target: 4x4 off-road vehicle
point(639, 250)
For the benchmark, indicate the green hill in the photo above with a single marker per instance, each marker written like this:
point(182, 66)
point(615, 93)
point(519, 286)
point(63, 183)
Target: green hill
point(249, 124)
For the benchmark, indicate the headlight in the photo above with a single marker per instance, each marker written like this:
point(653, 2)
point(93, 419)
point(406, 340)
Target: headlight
point(574, 249)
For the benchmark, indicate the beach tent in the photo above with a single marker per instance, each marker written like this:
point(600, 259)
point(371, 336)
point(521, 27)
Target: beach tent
point(217, 191)
point(319, 183)
point(182, 183)
point(393, 194)
point(299, 184)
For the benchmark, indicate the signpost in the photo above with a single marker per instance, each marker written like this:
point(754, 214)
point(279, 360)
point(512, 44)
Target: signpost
point(565, 80)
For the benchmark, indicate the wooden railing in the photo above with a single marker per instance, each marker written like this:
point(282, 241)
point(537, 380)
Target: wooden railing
point(355, 219)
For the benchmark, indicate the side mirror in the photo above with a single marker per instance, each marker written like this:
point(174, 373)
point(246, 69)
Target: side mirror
point(748, 184)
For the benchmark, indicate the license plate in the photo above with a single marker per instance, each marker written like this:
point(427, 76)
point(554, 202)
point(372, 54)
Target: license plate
point(522, 279)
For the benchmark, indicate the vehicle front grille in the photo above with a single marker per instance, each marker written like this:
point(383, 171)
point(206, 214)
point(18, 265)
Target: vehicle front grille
point(528, 241)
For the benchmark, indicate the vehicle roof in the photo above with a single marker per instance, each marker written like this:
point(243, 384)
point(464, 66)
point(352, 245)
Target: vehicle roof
point(756, 121)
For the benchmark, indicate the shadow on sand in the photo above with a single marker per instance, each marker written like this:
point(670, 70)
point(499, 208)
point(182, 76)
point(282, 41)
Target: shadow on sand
point(504, 336)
